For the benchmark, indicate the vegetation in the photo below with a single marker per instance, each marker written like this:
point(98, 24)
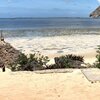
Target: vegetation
point(33, 62)
point(98, 57)
point(37, 61)
point(68, 61)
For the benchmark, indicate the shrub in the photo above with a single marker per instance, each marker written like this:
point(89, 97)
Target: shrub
point(98, 57)
point(52, 66)
point(33, 62)
point(69, 61)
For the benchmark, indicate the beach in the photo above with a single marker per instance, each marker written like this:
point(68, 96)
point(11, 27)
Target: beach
point(52, 86)
point(52, 37)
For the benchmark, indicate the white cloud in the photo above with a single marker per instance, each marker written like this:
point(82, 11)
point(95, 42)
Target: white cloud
point(98, 1)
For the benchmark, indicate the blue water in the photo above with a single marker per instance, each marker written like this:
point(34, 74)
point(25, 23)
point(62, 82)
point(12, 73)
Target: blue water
point(49, 26)
point(31, 23)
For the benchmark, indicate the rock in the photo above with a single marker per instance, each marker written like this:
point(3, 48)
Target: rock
point(95, 13)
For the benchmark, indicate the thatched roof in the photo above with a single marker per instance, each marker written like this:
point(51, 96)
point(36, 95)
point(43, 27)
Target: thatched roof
point(95, 13)
point(8, 54)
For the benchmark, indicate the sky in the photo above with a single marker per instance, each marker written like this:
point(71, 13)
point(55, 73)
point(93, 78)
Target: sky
point(47, 8)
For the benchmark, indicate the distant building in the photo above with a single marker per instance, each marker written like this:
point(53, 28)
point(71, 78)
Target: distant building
point(95, 13)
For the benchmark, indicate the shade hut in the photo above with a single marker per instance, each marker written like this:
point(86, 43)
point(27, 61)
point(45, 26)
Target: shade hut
point(95, 13)
point(8, 54)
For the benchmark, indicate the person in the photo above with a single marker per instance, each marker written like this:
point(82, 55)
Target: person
point(2, 66)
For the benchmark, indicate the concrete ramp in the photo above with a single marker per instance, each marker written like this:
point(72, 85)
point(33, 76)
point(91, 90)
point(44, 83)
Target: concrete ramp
point(92, 74)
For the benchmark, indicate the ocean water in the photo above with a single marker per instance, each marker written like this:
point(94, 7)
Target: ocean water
point(26, 27)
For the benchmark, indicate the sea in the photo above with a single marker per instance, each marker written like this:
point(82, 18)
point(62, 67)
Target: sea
point(22, 27)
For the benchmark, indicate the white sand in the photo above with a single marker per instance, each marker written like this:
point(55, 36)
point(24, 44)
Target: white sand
point(59, 86)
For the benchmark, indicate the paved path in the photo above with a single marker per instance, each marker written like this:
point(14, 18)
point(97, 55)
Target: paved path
point(92, 75)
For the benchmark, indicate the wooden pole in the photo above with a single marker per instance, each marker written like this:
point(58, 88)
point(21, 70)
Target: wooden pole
point(1, 36)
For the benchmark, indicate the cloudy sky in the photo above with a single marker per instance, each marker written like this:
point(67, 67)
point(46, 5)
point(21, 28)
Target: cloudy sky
point(47, 8)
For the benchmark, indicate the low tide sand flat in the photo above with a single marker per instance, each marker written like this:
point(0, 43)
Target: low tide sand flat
point(92, 74)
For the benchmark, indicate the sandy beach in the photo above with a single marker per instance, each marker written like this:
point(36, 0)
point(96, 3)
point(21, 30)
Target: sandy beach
point(67, 85)
point(54, 86)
